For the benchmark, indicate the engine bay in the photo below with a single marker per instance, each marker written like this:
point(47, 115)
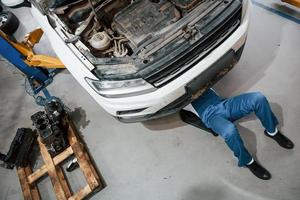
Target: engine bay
point(119, 28)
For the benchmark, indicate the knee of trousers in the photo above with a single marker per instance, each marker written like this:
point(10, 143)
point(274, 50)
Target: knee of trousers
point(229, 131)
point(258, 98)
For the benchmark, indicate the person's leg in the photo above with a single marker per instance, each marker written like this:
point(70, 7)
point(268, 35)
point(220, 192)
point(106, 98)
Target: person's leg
point(228, 131)
point(244, 104)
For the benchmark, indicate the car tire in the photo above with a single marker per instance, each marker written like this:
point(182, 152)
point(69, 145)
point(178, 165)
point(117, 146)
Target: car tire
point(9, 23)
point(1, 8)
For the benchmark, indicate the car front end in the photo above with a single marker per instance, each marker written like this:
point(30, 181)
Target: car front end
point(139, 68)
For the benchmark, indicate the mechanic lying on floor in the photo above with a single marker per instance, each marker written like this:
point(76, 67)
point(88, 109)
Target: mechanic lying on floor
point(219, 114)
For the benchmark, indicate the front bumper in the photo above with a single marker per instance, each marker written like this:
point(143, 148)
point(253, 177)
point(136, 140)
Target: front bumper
point(196, 87)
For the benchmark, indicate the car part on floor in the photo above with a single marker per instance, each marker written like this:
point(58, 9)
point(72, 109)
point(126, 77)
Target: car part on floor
point(73, 164)
point(9, 23)
point(292, 2)
point(192, 119)
point(20, 149)
point(51, 128)
point(53, 169)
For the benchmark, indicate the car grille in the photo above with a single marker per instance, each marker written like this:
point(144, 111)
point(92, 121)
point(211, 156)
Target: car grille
point(203, 48)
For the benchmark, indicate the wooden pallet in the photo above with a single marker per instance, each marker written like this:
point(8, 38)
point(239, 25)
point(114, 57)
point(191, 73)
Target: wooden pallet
point(51, 167)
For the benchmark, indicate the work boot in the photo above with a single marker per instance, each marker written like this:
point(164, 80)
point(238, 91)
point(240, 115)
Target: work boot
point(282, 140)
point(192, 119)
point(259, 171)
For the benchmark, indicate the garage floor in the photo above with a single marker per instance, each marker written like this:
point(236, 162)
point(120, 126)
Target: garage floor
point(167, 159)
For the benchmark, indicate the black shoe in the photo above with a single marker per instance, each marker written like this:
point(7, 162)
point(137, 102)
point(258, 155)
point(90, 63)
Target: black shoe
point(259, 171)
point(282, 140)
point(192, 119)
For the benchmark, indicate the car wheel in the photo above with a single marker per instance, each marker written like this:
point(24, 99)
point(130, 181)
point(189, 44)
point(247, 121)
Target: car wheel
point(9, 23)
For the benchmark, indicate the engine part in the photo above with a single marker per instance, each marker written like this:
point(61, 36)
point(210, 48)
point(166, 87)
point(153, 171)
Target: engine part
point(185, 4)
point(83, 25)
point(79, 12)
point(100, 41)
point(20, 149)
point(9, 23)
point(119, 49)
point(143, 19)
point(58, 3)
point(73, 164)
point(51, 128)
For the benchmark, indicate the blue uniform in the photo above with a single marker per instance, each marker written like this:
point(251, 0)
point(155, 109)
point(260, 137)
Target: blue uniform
point(219, 114)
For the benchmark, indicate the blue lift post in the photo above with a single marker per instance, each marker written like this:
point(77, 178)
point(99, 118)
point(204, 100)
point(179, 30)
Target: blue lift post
point(38, 78)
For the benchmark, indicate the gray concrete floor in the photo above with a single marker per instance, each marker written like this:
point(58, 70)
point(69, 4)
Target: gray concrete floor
point(167, 159)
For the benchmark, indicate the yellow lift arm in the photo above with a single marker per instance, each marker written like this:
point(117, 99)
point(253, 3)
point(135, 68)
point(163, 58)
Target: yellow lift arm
point(293, 2)
point(26, 49)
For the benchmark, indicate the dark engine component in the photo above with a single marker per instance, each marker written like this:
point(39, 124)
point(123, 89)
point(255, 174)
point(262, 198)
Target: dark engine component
point(20, 149)
point(58, 3)
point(51, 128)
point(143, 18)
point(185, 4)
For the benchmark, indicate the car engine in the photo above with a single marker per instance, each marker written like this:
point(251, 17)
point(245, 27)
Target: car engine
point(141, 19)
point(117, 28)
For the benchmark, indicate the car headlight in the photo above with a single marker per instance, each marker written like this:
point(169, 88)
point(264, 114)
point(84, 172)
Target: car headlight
point(115, 70)
point(122, 88)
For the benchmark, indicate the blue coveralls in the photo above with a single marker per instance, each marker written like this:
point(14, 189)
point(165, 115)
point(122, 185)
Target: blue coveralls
point(219, 114)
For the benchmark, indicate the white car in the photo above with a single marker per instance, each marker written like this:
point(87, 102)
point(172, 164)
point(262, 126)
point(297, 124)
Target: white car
point(144, 59)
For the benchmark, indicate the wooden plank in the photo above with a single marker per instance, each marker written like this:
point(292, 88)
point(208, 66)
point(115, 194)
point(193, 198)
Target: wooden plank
point(37, 174)
point(51, 168)
point(93, 169)
point(82, 193)
point(56, 160)
point(85, 166)
point(33, 188)
point(84, 161)
point(63, 181)
point(24, 184)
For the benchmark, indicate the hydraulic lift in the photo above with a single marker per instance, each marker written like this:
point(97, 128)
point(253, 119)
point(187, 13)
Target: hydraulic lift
point(292, 2)
point(38, 69)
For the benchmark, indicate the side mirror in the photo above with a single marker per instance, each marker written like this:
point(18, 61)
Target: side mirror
point(16, 3)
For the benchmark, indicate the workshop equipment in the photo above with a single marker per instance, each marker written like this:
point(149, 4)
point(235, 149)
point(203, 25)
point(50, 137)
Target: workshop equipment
point(292, 2)
point(51, 129)
point(52, 168)
point(34, 66)
point(20, 149)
